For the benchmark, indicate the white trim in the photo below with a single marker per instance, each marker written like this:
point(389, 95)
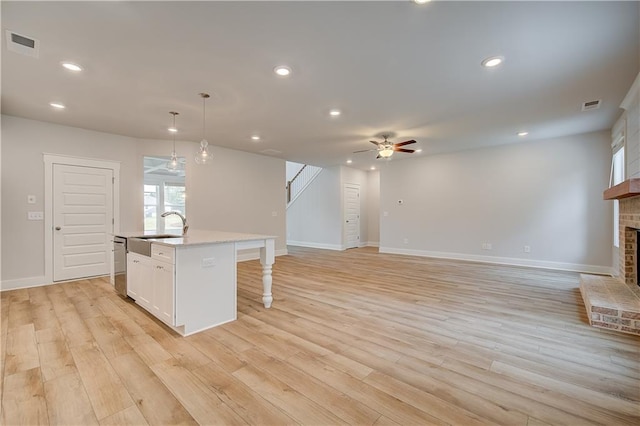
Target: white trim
point(315, 245)
point(49, 161)
point(24, 283)
point(254, 254)
point(371, 244)
point(529, 263)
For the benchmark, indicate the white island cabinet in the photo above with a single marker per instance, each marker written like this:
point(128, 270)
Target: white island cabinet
point(189, 282)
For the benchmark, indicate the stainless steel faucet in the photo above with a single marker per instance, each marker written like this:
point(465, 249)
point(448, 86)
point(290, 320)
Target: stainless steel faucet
point(185, 227)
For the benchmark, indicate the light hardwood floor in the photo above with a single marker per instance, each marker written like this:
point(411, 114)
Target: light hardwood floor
point(353, 337)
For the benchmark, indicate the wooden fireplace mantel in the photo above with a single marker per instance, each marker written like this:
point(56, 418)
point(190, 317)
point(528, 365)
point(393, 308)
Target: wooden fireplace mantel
point(626, 189)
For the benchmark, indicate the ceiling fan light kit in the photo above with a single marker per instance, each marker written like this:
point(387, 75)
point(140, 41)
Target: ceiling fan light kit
point(386, 149)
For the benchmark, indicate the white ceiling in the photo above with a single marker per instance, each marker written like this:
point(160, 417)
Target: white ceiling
point(412, 70)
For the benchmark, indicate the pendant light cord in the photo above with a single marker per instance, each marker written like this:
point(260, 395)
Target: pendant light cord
point(174, 133)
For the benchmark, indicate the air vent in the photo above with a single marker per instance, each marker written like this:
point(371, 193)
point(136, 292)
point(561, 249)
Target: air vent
point(271, 151)
point(589, 105)
point(23, 44)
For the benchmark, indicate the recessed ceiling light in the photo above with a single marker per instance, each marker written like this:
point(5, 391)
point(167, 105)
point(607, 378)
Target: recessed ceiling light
point(349, 161)
point(57, 105)
point(172, 130)
point(523, 133)
point(421, 1)
point(282, 70)
point(418, 150)
point(71, 66)
point(373, 167)
point(334, 112)
point(255, 137)
point(493, 61)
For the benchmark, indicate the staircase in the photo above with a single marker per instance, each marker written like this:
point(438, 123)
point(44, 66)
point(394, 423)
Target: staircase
point(300, 181)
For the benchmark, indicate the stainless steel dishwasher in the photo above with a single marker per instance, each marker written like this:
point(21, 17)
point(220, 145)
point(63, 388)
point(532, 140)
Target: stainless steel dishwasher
point(120, 265)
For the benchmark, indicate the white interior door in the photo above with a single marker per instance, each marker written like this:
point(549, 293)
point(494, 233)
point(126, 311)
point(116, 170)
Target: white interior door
point(82, 221)
point(352, 216)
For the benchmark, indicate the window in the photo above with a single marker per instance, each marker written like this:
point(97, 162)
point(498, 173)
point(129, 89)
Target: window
point(163, 191)
point(617, 176)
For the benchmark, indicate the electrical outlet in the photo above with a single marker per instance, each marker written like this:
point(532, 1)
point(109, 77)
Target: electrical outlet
point(406, 241)
point(527, 249)
point(274, 213)
point(486, 246)
point(385, 214)
point(35, 215)
point(489, 247)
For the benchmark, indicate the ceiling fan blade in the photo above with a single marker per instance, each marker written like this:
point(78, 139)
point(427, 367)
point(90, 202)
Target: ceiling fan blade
point(375, 143)
point(364, 150)
point(404, 143)
point(378, 156)
point(403, 150)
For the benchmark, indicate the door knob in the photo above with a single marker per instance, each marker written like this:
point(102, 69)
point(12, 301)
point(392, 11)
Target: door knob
point(58, 228)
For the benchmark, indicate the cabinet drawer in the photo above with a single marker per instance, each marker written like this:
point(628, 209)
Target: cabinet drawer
point(162, 252)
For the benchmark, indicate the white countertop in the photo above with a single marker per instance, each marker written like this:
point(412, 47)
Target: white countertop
point(196, 236)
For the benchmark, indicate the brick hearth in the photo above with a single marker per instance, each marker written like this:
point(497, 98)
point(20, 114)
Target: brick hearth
point(614, 302)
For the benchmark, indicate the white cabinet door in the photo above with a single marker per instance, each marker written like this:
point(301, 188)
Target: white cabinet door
point(163, 291)
point(139, 279)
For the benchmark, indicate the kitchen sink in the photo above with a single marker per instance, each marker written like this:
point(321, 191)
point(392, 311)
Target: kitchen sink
point(142, 245)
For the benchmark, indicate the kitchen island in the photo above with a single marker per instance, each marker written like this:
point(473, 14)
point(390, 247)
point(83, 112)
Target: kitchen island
point(190, 282)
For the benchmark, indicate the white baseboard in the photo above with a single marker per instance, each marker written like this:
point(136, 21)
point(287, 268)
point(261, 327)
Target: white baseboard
point(24, 283)
point(371, 244)
point(531, 263)
point(254, 254)
point(315, 245)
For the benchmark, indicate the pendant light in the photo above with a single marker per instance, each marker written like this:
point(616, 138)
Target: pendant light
point(203, 156)
point(174, 165)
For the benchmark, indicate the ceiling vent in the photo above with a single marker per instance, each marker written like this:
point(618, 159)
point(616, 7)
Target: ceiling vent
point(271, 151)
point(589, 105)
point(22, 44)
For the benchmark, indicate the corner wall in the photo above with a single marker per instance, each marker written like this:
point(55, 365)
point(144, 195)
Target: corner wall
point(543, 194)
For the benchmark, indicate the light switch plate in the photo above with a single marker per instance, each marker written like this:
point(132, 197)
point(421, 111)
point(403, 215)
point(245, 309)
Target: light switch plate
point(35, 215)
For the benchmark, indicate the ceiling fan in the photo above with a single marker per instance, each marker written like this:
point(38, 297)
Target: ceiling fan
point(386, 149)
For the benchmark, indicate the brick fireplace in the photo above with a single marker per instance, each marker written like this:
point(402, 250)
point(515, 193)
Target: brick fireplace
point(614, 302)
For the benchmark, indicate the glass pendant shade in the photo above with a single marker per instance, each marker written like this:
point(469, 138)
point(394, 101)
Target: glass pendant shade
point(203, 156)
point(174, 165)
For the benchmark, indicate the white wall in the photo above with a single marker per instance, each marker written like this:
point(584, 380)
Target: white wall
point(24, 142)
point(239, 191)
point(545, 194)
point(314, 219)
point(373, 208)
point(631, 117)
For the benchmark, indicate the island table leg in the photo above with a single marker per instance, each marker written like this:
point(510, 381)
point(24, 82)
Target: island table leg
point(267, 258)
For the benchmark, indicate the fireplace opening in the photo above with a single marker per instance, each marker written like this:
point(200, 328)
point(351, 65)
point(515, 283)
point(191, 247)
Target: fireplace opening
point(637, 256)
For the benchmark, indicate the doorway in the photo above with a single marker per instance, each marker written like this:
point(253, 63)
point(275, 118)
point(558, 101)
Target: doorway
point(81, 201)
point(351, 197)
